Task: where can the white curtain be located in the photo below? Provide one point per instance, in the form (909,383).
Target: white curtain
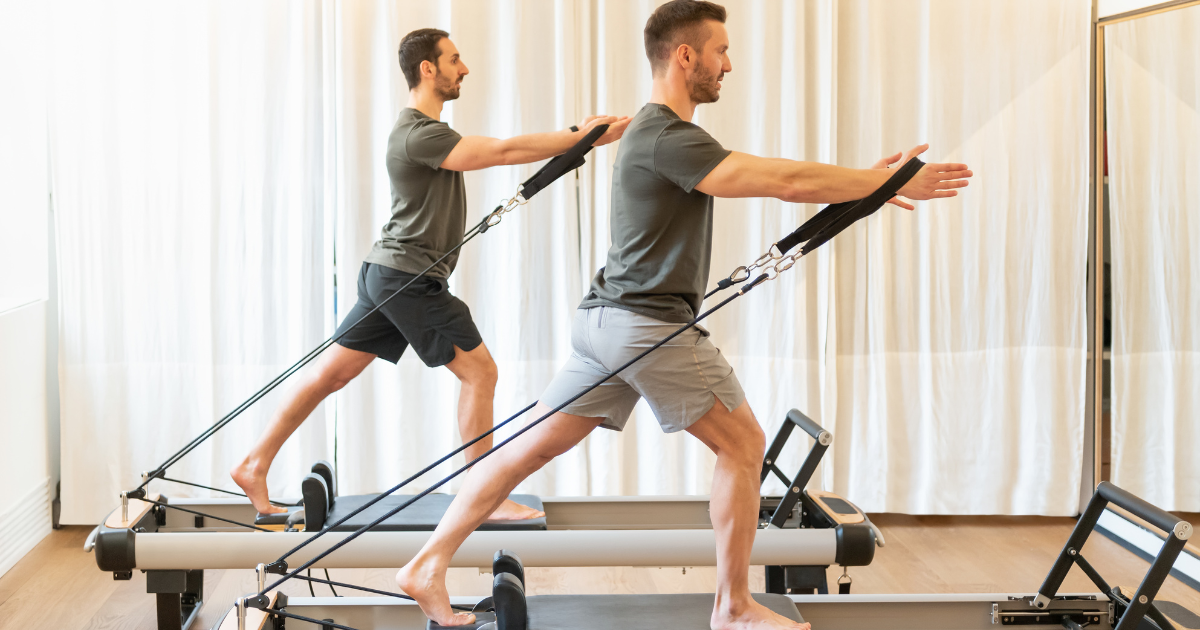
(944,348)
(1153,99)
(187,159)
(960,328)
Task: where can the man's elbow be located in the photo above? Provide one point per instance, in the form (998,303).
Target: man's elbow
(799,192)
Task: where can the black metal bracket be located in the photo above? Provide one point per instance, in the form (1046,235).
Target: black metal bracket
(261,602)
(179,596)
(795,485)
(279,567)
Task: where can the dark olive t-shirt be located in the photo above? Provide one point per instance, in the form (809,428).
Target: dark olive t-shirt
(429,203)
(661,227)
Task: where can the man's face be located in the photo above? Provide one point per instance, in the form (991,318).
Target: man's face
(450,71)
(711,64)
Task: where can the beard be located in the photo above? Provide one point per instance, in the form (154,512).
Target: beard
(447,89)
(705,86)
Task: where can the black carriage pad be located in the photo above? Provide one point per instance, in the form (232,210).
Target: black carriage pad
(421,516)
(628,612)
(636,612)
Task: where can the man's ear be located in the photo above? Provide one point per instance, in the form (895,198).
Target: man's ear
(684,54)
(427,69)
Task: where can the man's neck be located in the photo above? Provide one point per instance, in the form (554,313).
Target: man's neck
(675,95)
(426,102)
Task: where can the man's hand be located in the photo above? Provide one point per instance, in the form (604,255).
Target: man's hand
(933,181)
(616,127)
(887,162)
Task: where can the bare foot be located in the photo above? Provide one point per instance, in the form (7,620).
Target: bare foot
(254,483)
(512,511)
(428,587)
(751,615)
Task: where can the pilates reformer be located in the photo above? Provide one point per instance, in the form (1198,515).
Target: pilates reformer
(508,608)
(813,233)
(183,582)
(801,533)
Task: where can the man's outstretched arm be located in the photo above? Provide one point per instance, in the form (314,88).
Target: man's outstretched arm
(744,175)
(478,152)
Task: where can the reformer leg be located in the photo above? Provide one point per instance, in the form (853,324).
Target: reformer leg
(179,596)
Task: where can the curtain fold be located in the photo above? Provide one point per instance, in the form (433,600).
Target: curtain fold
(218,168)
(187,174)
(1153,105)
(960,343)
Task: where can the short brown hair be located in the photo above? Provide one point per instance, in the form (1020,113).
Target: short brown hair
(419,45)
(678,22)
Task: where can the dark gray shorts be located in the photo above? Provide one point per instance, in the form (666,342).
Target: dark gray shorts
(678,380)
(425,316)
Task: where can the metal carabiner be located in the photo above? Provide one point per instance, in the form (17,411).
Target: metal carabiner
(741,274)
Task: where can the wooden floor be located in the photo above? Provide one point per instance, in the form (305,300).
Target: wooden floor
(58,585)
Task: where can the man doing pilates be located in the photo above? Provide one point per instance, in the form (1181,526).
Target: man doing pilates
(425,161)
(666,174)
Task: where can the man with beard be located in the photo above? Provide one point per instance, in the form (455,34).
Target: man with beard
(666,173)
(425,161)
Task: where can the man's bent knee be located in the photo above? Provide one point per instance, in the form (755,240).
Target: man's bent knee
(474,367)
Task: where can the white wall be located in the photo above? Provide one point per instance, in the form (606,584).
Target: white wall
(28,429)
(26,494)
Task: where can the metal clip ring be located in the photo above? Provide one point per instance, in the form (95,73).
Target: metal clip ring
(784,265)
(741,274)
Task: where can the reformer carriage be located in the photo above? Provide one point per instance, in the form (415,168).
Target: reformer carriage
(801,533)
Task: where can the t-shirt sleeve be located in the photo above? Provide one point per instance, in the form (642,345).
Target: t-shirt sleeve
(428,144)
(685,154)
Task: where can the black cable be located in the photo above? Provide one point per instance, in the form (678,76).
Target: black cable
(360,531)
(310,584)
(218,518)
(320,623)
(400,485)
(330,583)
(329,579)
(472,233)
(236,494)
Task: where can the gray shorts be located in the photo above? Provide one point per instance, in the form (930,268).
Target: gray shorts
(678,380)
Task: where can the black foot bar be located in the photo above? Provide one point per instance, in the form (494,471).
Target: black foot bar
(795,485)
(1130,612)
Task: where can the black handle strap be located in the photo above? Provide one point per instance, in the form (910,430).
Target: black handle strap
(866,207)
(834,218)
(562,164)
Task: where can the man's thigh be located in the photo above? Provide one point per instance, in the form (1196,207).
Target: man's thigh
(680,379)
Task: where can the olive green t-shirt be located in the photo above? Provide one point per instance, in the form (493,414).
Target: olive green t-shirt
(429,203)
(661,227)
